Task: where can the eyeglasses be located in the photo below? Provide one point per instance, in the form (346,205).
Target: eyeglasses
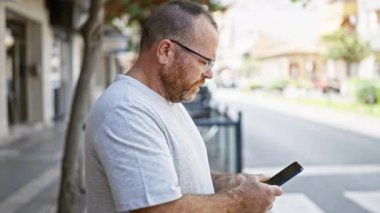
(210,62)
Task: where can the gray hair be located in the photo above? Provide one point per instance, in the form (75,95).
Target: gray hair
(173,20)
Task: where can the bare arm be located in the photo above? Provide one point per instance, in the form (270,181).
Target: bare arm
(226,202)
(251,194)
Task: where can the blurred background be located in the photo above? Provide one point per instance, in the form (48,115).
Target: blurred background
(294,80)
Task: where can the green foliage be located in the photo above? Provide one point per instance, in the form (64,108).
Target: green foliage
(139,10)
(345,45)
(368,95)
(278,85)
(300,83)
(255,85)
(365,91)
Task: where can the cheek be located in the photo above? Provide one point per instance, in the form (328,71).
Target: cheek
(186,73)
(182,72)
(177,77)
(192,67)
(195,70)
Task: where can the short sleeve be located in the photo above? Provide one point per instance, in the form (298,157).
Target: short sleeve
(136,157)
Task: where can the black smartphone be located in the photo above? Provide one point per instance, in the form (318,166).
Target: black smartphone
(286,174)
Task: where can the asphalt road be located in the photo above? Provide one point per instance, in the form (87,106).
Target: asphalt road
(342,168)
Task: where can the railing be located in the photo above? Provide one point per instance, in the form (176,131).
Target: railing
(223,137)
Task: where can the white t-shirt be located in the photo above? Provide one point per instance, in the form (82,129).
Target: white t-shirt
(141,150)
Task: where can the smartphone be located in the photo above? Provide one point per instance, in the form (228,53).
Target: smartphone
(286,174)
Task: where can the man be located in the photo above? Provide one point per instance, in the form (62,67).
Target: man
(143,151)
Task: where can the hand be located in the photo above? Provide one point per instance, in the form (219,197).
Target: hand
(258,196)
(224,182)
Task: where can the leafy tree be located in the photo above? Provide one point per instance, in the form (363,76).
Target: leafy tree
(345,45)
(139,10)
(71,192)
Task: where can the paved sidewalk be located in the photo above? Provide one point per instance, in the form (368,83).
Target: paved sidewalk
(20,133)
(30,170)
(361,124)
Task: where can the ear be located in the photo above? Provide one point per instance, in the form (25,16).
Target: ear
(164,51)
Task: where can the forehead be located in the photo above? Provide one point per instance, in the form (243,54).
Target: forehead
(205,36)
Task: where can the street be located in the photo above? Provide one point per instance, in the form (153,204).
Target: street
(342,168)
(30,172)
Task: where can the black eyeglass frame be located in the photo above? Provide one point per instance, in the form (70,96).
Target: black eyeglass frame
(210,62)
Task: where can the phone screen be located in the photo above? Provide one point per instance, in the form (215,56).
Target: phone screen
(286,174)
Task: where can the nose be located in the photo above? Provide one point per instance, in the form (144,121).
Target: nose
(208,74)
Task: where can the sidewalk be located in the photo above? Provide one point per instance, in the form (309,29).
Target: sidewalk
(19,133)
(361,124)
(30,170)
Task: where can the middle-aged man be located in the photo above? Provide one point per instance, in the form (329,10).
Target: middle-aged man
(143,151)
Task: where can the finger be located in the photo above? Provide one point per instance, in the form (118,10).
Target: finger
(262,177)
(277,190)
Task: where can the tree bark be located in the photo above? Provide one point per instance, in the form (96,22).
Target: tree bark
(343,79)
(70,187)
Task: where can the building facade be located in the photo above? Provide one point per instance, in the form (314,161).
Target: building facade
(285,61)
(362,16)
(369,29)
(39,62)
(24,60)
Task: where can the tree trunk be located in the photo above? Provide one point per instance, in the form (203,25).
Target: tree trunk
(70,186)
(343,79)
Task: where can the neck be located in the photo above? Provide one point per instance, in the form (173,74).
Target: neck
(148,74)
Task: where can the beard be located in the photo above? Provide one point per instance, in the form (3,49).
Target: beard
(189,94)
(176,85)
